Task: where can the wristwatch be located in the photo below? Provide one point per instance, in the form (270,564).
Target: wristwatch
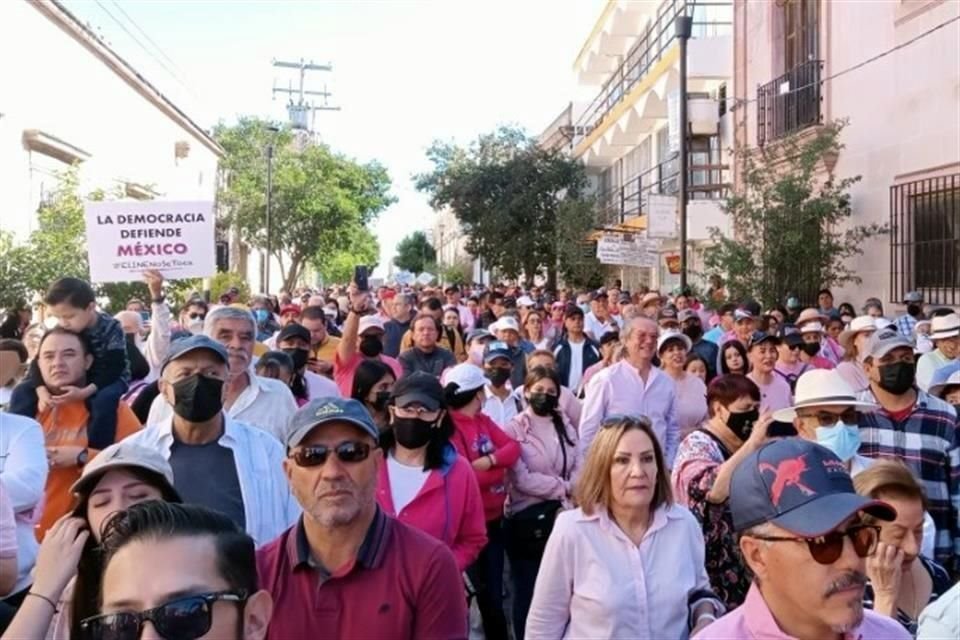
(82,457)
(159,300)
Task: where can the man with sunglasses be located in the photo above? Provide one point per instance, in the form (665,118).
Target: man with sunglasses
(346,568)
(801,535)
(201,581)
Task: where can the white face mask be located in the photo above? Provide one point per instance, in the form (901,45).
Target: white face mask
(195,326)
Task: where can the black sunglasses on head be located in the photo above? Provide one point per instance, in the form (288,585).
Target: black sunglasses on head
(186,618)
(316,455)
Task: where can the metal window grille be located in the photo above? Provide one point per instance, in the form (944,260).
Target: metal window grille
(925,239)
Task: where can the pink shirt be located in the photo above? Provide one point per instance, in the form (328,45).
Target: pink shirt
(343,372)
(753,620)
(594,582)
(619,390)
(538,475)
(773,396)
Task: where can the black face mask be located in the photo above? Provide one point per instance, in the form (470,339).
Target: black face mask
(380,400)
(197,398)
(543,404)
(497,376)
(897,378)
(811,348)
(956,408)
(741,424)
(693,332)
(299,356)
(371,346)
(914,309)
(411,433)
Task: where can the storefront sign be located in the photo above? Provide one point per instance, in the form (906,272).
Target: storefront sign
(661,216)
(632,250)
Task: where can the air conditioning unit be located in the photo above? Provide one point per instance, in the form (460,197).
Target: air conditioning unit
(703,113)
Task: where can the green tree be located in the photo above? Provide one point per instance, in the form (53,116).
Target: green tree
(415,253)
(363,250)
(320,198)
(506,192)
(790,221)
(576,254)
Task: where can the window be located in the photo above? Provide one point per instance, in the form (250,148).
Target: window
(925,239)
(800,32)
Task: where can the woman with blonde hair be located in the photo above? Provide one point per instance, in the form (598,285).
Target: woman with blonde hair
(534,331)
(604,568)
(901,580)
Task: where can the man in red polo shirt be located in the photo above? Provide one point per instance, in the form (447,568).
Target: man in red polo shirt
(346,569)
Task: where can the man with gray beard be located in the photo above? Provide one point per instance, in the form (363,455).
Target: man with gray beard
(802,537)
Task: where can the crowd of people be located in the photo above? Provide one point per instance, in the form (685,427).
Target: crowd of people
(566,464)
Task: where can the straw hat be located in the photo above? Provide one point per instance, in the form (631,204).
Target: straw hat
(822,388)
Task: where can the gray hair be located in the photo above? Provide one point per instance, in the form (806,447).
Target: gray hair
(631,324)
(227,313)
(131,314)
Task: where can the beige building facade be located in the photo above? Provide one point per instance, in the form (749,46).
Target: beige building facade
(892,68)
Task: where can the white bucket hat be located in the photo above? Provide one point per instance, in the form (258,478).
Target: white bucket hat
(859,324)
(943,327)
(822,388)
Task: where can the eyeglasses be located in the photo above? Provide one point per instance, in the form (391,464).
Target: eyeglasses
(181,619)
(632,422)
(827,419)
(417,412)
(316,455)
(828,549)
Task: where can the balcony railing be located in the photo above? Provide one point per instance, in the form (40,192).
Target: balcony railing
(618,205)
(789,103)
(709,19)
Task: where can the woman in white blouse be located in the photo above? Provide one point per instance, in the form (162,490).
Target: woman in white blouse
(672,348)
(629,563)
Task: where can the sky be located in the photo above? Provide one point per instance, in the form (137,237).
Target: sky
(404,73)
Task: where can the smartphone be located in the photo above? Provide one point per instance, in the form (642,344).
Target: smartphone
(360,277)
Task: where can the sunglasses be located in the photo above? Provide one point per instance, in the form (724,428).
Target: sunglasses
(794,347)
(185,618)
(828,549)
(316,455)
(196,316)
(827,419)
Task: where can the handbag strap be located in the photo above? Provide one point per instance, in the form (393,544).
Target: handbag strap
(563,450)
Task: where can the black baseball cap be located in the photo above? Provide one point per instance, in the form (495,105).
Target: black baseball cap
(293,331)
(418,387)
(799,486)
(759,337)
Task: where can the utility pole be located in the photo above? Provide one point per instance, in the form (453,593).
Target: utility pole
(684,26)
(298,109)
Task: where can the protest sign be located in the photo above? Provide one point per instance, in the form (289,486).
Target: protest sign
(124,239)
(661,216)
(627,250)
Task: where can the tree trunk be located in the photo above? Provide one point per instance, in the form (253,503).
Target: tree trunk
(293,274)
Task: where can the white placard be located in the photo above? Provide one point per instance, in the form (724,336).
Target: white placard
(425,278)
(404,278)
(629,250)
(661,216)
(673,121)
(124,239)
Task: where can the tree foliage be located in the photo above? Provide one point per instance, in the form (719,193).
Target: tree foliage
(791,222)
(320,200)
(363,250)
(415,253)
(506,193)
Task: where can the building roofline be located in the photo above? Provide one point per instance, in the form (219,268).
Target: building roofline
(597,28)
(54,11)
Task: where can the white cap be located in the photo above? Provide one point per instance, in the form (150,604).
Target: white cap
(466,376)
(506,323)
(370,322)
(860,324)
(822,388)
(812,327)
(673,335)
(525,301)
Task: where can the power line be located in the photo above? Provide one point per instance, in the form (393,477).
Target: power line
(141,45)
(743,102)
(158,48)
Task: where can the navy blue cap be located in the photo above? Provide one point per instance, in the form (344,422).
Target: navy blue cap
(184,346)
(759,337)
(320,411)
(799,486)
(496,349)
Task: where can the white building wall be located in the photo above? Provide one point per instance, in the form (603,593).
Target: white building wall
(50,82)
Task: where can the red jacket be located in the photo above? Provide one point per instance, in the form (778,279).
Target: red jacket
(448,507)
(479,436)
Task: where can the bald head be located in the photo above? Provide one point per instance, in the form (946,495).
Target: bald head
(130,321)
